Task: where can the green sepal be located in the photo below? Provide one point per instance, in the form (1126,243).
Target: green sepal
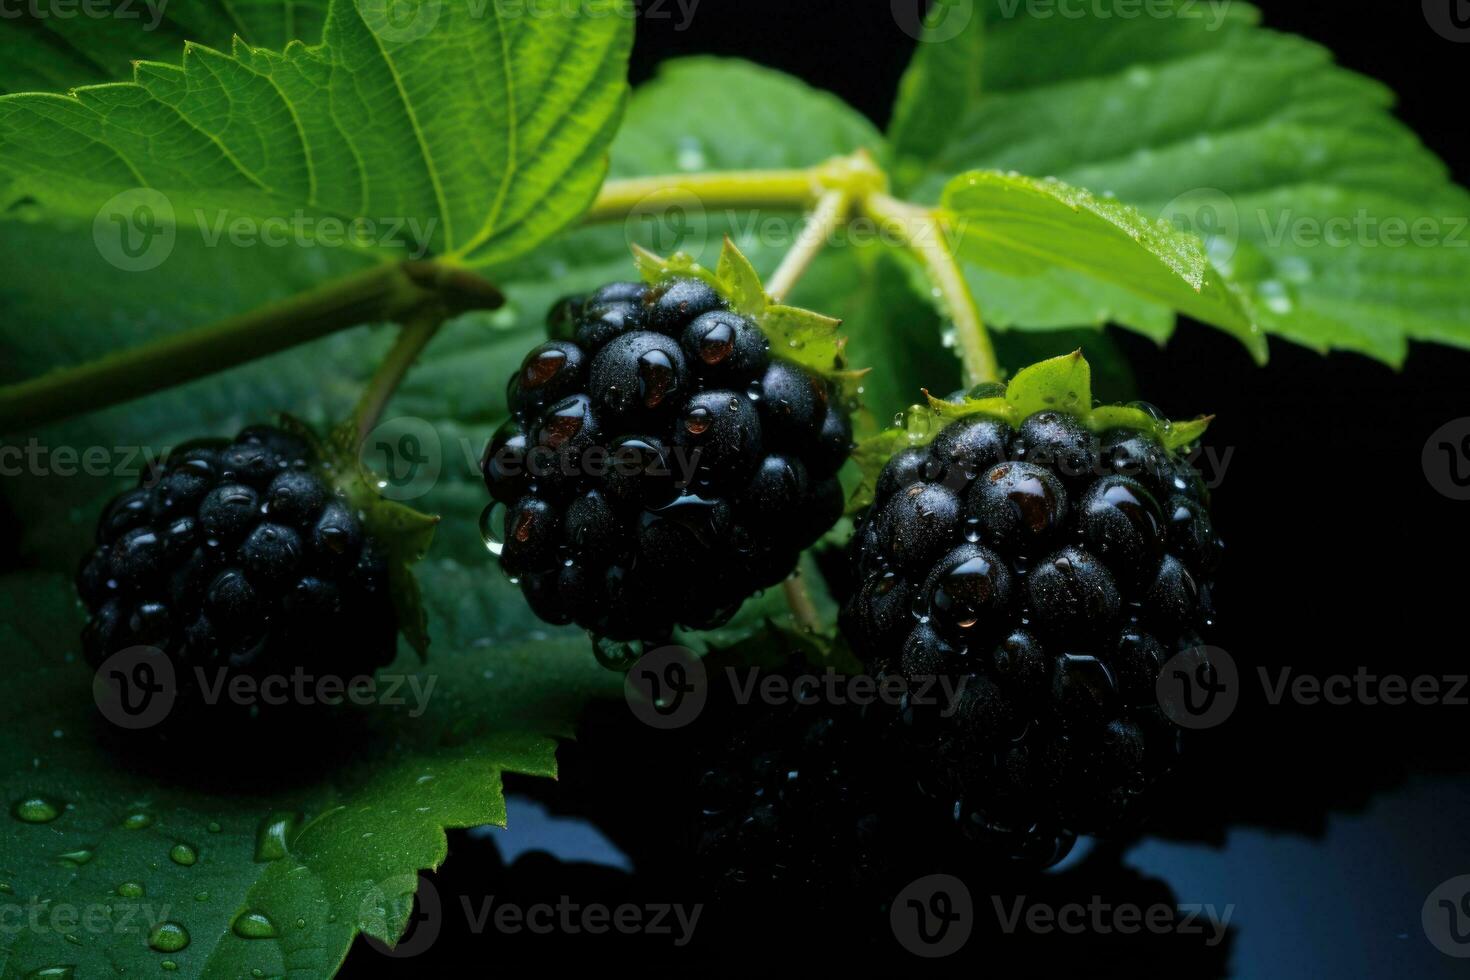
(1062,384)
(802,337)
(404,532)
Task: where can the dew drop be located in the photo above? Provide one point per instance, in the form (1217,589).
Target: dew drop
(130,889)
(491,520)
(250,924)
(138,821)
(53,973)
(989,389)
(35,809)
(82,855)
(273,836)
(697,421)
(183,854)
(168,937)
(618,655)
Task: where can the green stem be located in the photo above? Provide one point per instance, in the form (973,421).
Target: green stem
(383,293)
(923,234)
(412,340)
(803,609)
(788,190)
(830,214)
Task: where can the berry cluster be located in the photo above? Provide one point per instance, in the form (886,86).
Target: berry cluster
(660,465)
(1054,572)
(238,556)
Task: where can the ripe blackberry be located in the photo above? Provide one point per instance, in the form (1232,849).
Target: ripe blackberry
(1053,572)
(238,556)
(660,464)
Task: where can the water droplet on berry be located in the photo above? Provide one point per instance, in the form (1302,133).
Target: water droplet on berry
(697,421)
(618,655)
(717,345)
(492,519)
(542,367)
(655,378)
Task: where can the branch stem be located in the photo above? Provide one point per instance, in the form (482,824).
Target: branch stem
(923,233)
(383,293)
(788,190)
(412,339)
(803,610)
(831,213)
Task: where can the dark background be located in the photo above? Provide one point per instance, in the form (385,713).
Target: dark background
(1325,826)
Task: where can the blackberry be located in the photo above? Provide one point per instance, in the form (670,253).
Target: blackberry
(660,464)
(1051,573)
(238,556)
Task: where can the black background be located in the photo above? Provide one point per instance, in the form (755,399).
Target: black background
(1340,552)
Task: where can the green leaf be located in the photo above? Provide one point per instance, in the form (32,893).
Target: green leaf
(216,831)
(1253,139)
(1058,384)
(472,132)
(55,52)
(1021,225)
(942,81)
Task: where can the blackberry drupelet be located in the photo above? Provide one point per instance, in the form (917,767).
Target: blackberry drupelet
(1053,572)
(660,464)
(238,556)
